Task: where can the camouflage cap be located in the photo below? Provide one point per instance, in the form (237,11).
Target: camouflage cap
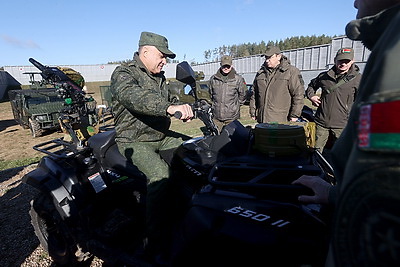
(159,41)
(271,50)
(226,60)
(345,53)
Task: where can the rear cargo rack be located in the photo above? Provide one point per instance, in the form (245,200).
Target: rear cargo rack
(250,174)
(270,178)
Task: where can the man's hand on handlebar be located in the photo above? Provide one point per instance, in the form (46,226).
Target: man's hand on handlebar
(183,112)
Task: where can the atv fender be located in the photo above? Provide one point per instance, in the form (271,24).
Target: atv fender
(50,178)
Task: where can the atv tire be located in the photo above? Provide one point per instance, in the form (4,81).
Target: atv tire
(54,235)
(35,128)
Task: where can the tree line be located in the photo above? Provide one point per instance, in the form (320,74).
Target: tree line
(249,49)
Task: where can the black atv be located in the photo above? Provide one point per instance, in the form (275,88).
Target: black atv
(235,204)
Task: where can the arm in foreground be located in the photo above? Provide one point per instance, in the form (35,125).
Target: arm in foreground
(319,186)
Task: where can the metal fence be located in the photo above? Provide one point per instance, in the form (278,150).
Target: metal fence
(91,73)
(310,61)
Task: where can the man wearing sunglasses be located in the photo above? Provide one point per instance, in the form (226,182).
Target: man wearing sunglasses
(228,93)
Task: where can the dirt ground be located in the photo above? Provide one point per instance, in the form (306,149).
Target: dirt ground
(16,142)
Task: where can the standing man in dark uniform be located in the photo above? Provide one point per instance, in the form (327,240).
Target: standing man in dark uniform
(142,120)
(228,93)
(278,90)
(338,91)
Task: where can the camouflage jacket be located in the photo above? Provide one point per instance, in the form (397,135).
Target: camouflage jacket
(278,93)
(139,101)
(368,176)
(379,83)
(227,93)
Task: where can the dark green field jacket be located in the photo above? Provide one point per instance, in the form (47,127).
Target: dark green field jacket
(228,93)
(278,93)
(380,83)
(336,103)
(366,214)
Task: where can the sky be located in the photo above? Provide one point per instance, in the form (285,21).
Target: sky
(86,32)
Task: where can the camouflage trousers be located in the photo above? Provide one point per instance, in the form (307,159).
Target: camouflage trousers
(145,155)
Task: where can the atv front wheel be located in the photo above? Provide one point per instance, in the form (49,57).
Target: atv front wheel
(54,235)
(34,125)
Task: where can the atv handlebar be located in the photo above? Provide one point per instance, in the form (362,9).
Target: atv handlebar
(177,114)
(202,110)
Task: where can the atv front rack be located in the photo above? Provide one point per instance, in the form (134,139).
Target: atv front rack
(58,148)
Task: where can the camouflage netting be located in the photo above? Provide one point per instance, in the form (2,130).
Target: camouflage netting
(73,75)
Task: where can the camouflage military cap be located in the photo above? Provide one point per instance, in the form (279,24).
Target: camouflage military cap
(345,53)
(159,41)
(271,50)
(226,60)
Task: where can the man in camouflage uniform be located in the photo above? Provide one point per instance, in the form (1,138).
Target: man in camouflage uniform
(228,93)
(366,156)
(141,114)
(278,90)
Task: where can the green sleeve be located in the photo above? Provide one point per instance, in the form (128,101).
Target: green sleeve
(139,97)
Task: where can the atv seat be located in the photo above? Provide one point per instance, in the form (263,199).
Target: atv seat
(101,142)
(106,151)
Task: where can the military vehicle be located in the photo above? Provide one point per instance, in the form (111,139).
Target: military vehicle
(35,84)
(182,93)
(78,118)
(36,109)
(63,100)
